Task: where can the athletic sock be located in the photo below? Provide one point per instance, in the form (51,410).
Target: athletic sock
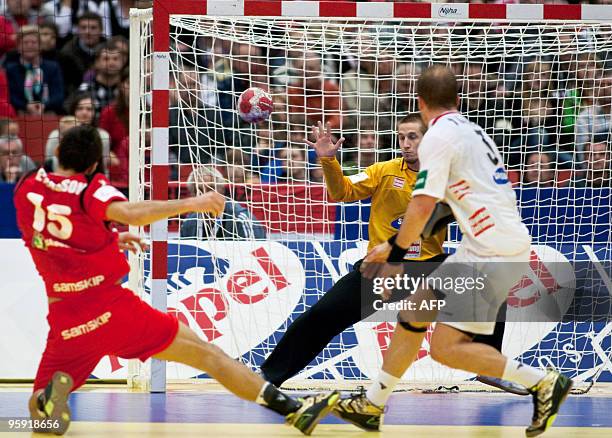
(48,390)
(380,390)
(40,401)
(44,396)
(272,398)
(524,374)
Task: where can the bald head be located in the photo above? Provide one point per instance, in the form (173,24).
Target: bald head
(437,87)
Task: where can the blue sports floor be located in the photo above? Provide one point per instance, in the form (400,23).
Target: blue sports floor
(211,413)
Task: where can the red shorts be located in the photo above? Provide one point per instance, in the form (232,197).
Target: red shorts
(114,321)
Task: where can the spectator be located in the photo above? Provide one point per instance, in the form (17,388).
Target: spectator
(9,128)
(273,170)
(407,75)
(312,96)
(280,116)
(119,170)
(588,68)
(369,89)
(36,85)
(367,149)
(48,41)
(123,45)
(534,125)
(244,68)
(289,165)
(7,36)
(562,64)
(64,14)
(82,107)
(536,80)
(232,75)
(538,170)
(235,223)
(267,145)
(296,165)
(385,70)
(597,169)
(79,52)
(13,162)
(107,68)
(82,110)
(238,163)
(20,13)
(65,124)
(359,89)
(525,119)
(594,117)
(116,16)
(6,109)
(193,133)
(477,102)
(115,117)
(316,175)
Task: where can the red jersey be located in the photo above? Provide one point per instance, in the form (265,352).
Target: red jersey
(63,223)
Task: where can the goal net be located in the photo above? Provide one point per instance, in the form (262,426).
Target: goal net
(541,89)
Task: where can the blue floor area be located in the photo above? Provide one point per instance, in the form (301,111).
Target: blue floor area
(463,409)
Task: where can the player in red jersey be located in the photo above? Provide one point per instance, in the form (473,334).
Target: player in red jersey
(64,220)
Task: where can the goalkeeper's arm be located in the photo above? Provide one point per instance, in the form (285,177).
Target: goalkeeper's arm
(347,189)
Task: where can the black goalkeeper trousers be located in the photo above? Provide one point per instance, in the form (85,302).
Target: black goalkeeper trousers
(337,310)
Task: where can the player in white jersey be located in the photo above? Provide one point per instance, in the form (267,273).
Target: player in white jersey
(461,166)
(465,170)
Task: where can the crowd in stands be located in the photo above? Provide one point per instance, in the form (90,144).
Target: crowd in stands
(549,115)
(65,60)
(69,58)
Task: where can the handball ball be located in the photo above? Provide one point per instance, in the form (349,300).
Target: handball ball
(255,105)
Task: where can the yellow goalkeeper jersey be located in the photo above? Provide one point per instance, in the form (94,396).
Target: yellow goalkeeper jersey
(389,184)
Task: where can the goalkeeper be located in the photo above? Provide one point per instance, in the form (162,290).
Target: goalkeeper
(389,184)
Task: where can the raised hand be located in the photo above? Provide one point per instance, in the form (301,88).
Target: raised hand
(324,145)
(210,202)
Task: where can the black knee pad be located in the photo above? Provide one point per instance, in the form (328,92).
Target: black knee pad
(407,326)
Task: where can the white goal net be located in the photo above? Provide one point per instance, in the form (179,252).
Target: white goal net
(542,90)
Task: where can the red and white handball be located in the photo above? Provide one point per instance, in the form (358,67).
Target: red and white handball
(255,105)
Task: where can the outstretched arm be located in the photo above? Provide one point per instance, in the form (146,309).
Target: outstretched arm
(339,187)
(146,212)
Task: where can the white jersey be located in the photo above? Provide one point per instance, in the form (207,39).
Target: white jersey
(460,165)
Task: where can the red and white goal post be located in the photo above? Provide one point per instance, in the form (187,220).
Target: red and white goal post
(532,75)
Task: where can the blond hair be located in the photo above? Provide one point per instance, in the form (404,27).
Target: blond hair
(196,179)
(28,29)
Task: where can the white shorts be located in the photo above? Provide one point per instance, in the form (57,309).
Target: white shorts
(502,274)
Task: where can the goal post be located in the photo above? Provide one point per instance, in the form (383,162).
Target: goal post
(535,77)
(141,38)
